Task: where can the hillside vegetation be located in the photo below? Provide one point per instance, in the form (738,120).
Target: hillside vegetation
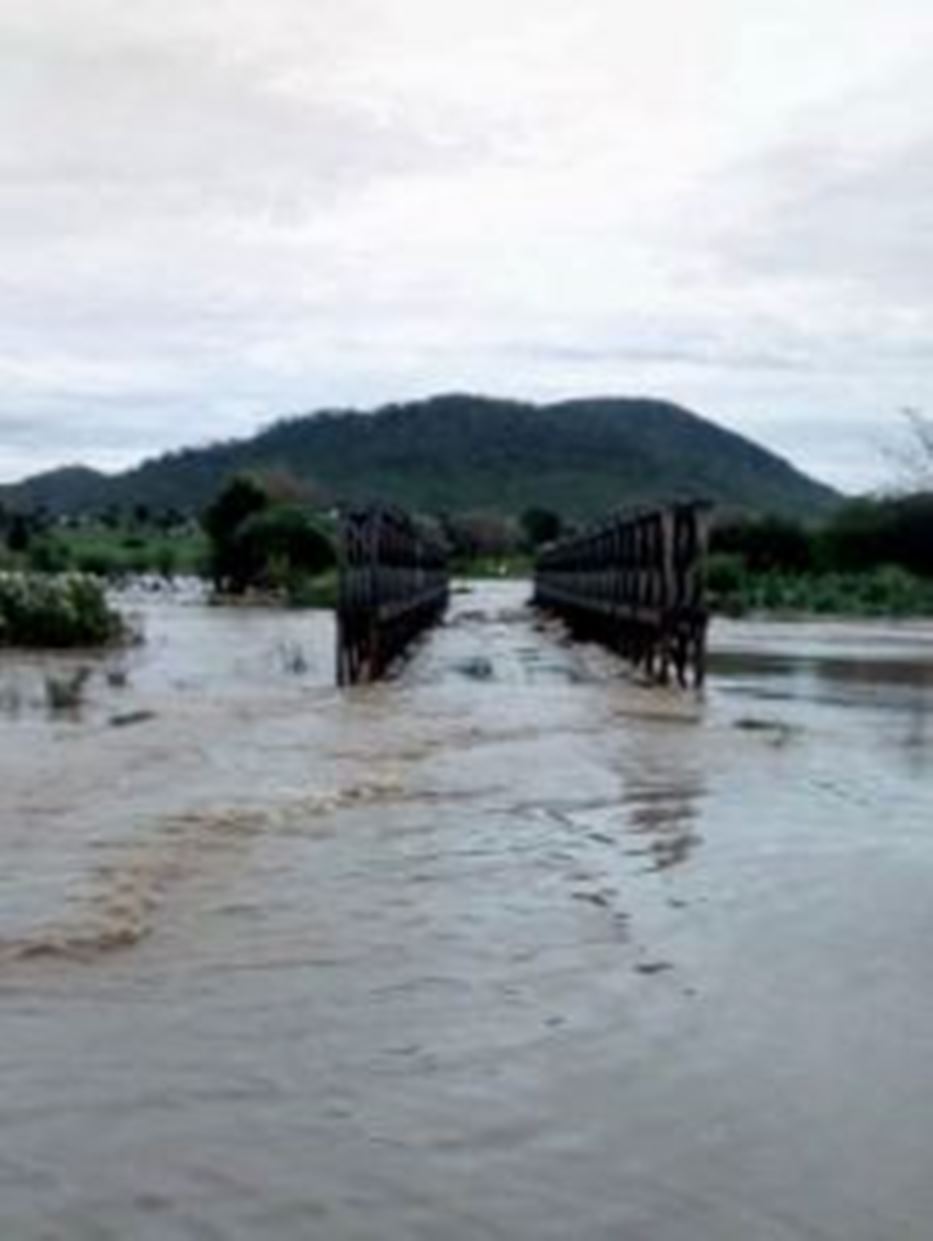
(464,453)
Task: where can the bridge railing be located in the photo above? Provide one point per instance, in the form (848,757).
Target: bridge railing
(635,583)
(393,583)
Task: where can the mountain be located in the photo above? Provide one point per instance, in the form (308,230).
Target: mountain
(70,489)
(456,453)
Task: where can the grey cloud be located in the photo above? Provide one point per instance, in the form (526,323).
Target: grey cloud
(108,136)
(214,212)
(842,200)
(16,429)
(869,224)
(711,353)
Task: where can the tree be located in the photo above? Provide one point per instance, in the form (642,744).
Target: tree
(255,541)
(239,500)
(540,525)
(283,486)
(481,534)
(913,458)
(897,530)
(766,543)
(278,543)
(18,535)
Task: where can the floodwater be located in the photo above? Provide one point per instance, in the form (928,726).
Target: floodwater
(510,947)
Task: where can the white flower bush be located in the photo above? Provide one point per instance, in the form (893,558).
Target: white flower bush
(68,609)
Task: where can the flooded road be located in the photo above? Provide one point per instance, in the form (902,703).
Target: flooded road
(508,948)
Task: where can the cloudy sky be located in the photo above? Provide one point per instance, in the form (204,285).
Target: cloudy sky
(213,212)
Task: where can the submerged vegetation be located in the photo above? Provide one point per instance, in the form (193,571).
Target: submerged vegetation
(65,691)
(66,610)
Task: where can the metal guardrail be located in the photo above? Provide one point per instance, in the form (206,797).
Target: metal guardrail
(635,583)
(393,583)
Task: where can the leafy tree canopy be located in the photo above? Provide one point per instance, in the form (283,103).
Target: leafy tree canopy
(541,525)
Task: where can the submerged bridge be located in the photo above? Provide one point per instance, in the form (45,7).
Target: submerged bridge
(633,582)
(393,584)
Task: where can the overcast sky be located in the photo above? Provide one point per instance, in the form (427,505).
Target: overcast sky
(214,212)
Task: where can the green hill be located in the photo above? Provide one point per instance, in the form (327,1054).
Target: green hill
(457,453)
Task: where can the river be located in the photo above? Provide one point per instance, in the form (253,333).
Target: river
(509,947)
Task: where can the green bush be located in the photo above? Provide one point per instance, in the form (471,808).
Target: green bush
(48,555)
(725,574)
(540,525)
(38,610)
(166,560)
(279,543)
(257,541)
(99,561)
(766,543)
(888,591)
(873,533)
(303,591)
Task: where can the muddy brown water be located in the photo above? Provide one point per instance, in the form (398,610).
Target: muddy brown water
(508,948)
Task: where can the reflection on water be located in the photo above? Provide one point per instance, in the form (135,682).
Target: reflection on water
(508,947)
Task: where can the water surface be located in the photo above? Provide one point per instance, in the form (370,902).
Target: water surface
(511,947)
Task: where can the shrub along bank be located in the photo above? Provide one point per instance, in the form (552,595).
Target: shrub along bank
(67,610)
(872,558)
